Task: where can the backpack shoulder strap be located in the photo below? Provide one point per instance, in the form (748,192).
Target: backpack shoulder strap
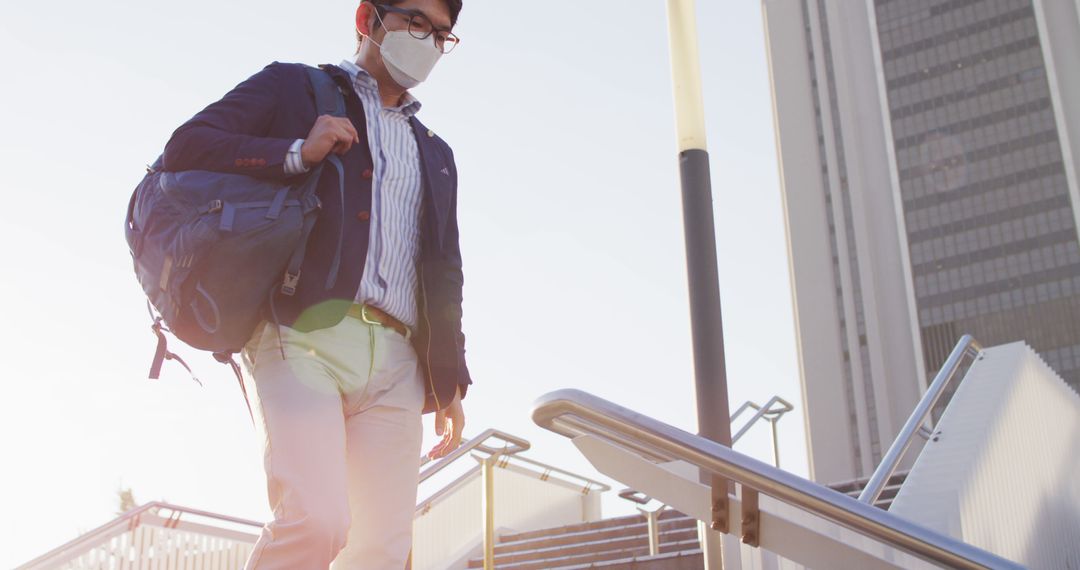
(328,97)
(329,100)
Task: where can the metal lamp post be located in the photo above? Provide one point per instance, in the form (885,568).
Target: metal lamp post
(705,316)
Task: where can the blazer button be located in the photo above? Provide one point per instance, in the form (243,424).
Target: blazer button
(363,215)
(366,174)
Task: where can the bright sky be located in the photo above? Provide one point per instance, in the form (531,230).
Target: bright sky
(561,119)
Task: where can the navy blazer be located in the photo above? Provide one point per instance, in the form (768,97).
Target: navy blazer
(249,131)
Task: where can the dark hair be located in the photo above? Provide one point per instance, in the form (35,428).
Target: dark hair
(453,5)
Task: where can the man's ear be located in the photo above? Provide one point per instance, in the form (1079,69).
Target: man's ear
(363,15)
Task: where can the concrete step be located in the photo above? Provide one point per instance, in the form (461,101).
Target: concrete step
(636,543)
(588,535)
(888,492)
(605,523)
(680,560)
(624,556)
(620,541)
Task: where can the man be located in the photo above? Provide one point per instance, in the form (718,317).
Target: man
(343,369)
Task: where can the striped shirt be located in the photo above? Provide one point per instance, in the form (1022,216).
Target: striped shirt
(389,280)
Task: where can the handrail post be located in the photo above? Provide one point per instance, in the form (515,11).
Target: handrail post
(488,478)
(775,441)
(900,445)
(652,520)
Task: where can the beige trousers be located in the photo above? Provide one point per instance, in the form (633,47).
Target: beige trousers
(340,430)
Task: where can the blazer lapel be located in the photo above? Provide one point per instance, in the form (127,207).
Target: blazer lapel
(435,171)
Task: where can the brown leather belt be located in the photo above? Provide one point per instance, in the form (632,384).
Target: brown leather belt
(377,316)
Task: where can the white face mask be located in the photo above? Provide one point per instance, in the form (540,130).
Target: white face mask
(409,60)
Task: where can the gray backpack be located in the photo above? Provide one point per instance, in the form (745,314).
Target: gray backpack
(210,248)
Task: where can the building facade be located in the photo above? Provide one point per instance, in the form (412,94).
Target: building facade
(930,190)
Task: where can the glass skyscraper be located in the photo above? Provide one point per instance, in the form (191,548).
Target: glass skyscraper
(930,190)
(990,224)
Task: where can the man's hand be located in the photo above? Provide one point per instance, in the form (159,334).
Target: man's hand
(328,134)
(449,422)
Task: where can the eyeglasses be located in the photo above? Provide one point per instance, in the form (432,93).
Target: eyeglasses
(420,27)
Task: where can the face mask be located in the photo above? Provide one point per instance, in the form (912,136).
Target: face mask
(409,60)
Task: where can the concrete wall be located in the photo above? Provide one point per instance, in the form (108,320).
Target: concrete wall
(855,398)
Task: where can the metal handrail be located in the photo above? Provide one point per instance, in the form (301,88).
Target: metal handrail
(127,520)
(967,346)
(590,484)
(770,414)
(516,445)
(573,413)
(423,507)
(635,496)
(767,412)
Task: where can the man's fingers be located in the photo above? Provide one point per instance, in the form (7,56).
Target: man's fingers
(341,147)
(337,133)
(449,424)
(343,141)
(448,435)
(439,450)
(345,126)
(450,439)
(349,128)
(455,441)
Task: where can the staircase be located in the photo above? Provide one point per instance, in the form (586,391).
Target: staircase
(888,493)
(619,543)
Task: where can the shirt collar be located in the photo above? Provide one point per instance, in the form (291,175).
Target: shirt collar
(363,80)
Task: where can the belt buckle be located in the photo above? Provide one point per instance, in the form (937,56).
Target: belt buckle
(364,316)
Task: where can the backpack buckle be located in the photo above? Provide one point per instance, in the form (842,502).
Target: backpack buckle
(291,280)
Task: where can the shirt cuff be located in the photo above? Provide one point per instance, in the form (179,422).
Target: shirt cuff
(294,163)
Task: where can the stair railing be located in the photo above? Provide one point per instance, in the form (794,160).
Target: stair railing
(131,519)
(771,412)
(128,522)
(967,346)
(513,445)
(574,413)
